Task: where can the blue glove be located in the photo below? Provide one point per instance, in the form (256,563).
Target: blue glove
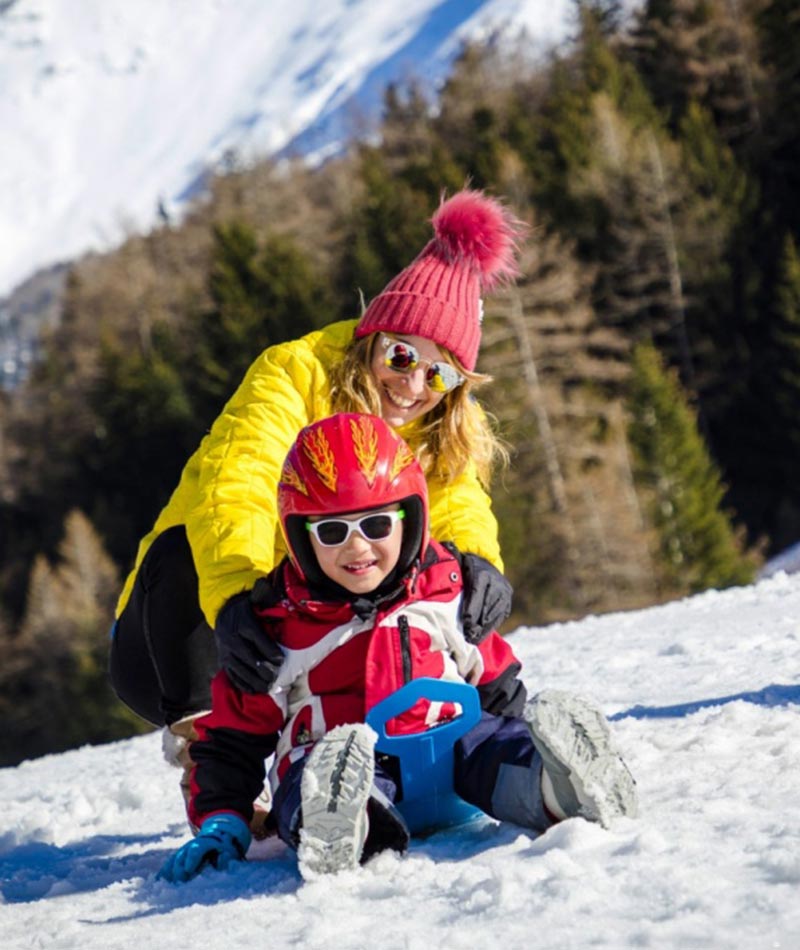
(222,838)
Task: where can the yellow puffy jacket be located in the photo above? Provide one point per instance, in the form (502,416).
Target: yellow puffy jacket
(226,494)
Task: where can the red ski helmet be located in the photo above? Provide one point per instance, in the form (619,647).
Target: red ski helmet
(346,463)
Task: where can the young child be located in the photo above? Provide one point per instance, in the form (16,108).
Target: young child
(365,602)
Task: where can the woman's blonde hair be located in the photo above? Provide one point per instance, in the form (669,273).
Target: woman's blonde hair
(456,432)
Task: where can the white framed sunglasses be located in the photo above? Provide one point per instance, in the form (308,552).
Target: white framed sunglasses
(402,357)
(334,532)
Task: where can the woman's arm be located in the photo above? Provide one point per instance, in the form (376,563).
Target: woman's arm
(462,518)
(461,512)
(233,526)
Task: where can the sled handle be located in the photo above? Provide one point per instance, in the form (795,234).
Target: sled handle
(439,738)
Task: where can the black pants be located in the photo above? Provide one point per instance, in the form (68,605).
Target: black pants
(163,654)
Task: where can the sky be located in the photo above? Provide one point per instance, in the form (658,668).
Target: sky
(704,699)
(112,107)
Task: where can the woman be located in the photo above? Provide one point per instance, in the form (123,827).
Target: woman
(410,359)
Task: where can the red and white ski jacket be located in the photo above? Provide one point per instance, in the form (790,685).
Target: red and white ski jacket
(341,660)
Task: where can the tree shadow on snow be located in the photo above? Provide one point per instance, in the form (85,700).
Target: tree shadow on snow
(769,696)
(271,868)
(36,871)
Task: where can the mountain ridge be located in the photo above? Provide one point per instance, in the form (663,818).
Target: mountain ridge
(109,118)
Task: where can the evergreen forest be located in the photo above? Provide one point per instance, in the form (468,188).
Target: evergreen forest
(646,365)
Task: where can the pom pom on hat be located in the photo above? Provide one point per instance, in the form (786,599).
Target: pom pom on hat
(478,232)
(438,296)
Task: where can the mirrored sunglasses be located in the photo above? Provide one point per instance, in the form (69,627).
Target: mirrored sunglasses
(402,357)
(334,532)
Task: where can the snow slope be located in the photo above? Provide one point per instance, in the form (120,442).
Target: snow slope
(704,695)
(110,107)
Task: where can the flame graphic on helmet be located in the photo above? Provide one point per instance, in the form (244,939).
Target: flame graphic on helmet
(402,459)
(365,447)
(318,451)
(290,477)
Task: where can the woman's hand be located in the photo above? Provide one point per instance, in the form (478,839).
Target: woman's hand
(487,595)
(246,652)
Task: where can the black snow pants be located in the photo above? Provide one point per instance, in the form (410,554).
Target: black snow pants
(162,655)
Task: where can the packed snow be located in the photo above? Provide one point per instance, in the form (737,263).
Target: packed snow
(703,695)
(114,109)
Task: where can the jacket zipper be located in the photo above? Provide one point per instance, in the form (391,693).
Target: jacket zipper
(405,646)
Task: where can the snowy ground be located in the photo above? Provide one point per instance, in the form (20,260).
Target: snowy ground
(705,700)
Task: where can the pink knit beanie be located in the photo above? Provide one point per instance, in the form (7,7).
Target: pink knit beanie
(438,296)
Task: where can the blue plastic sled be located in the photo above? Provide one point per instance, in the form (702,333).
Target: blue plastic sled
(426,758)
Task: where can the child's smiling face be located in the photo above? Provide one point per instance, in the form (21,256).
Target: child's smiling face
(359,565)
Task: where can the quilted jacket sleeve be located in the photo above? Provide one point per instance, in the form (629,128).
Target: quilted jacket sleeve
(232,524)
(461,512)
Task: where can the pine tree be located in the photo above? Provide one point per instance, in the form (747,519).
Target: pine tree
(778,390)
(54,689)
(714,197)
(786,340)
(779,32)
(640,284)
(666,247)
(146,428)
(387,226)
(411,151)
(473,114)
(571,530)
(606,15)
(564,146)
(702,51)
(261,294)
(697,547)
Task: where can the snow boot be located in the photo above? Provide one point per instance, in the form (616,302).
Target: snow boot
(388,830)
(582,774)
(335,790)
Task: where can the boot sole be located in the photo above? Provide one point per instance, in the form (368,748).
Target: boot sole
(335,788)
(574,740)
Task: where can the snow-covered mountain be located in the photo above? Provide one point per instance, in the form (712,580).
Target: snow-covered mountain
(110,108)
(704,695)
